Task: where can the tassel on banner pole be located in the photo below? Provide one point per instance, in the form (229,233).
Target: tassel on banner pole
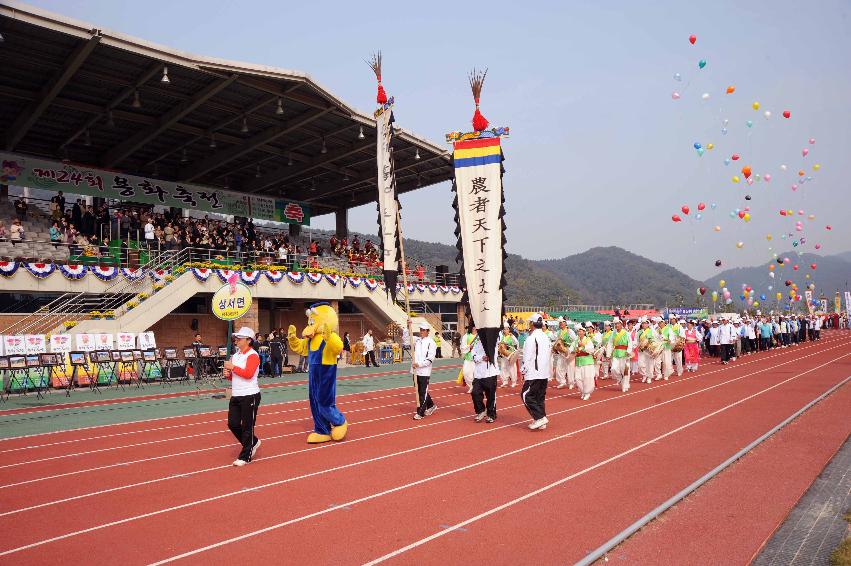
(477,80)
(375,65)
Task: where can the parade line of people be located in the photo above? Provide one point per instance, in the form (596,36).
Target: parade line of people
(575,355)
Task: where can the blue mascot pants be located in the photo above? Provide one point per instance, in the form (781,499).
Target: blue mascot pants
(322,391)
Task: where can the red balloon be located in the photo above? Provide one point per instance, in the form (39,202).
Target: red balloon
(685,209)
(692,39)
(735,157)
(788,282)
(812,266)
(828,227)
(787,114)
(701,206)
(741,214)
(746,171)
(702,290)
(676,218)
(782,213)
(795,267)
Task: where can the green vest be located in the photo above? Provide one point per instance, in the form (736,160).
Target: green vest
(669,337)
(582,357)
(621,339)
(468,340)
(510,341)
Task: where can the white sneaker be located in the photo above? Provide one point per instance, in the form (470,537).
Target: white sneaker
(254,448)
(571,386)
(538,424)
(430,411)
(480,417)
(417,416)
(240,463)
(561,386)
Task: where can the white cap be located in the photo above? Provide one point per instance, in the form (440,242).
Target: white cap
(588,324)
(577,326)
(657,319)
(607,323)
(244,332)
(670,316)
(424,326)
(536,317)
(616,320)
(561,319)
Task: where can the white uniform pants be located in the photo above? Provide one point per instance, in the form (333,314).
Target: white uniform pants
(667,368)
(467,370)
(561,368)
(508,370)
(585,378)
(605,364)
(656,364)
(645,365)
(677,358)
(619,374)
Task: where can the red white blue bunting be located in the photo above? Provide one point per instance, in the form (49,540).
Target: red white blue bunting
(275,276)
(225,274)
(455,289)
(158,274)
(314,277)
(295,277)
(371,284)
(249,277)
(132,273)
(332,279)
(73,272)
(420,287)
(104,273)
(40,270)
(8,268)
(355,281)
(201,273)
(433,289)
(443,289)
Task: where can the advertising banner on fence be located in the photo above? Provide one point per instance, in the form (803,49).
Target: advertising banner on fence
(696,313)
(82,180)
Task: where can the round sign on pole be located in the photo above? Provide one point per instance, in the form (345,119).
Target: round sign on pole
(232,301)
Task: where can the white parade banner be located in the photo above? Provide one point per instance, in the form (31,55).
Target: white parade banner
(388,206)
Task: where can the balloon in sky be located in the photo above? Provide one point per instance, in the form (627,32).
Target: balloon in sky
(717,229)
(735,157)
(722,282)
(731,89)
(812,141)
(818,246)
(705,96)
(816,167)
(755,105)
(701,206)
(767,177)
(685,209)
(675,95)
(748,197)
(698,216)
(782,167)
(805,152)
(713,206)
(702,290)
(727,161)
(736,179)
(701,64)
(692,39)
(746,171)
(678,77)
(767,114)
(700,152)
(742,213)
(747,217)
(676,218)
(723,131)
(828,227)
(749,123)
(779,296)
(710,146)
(697,145)
(740,245)
(762,296)
(794,187)
(812,266)
(714,296)
(787,114)
(800,173)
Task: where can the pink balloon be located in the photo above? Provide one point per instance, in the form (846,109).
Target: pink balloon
(818,246)
(805,152)
(794,187)
(800,213)
(767,177)
(828,227)
(786,260)
(812,141)
(675,95)
(750,180)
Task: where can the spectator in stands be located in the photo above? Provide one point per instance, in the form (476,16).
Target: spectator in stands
(58,203)
(87,223)
(16,231)
(4,234)
(77,212)
(21,208)
(149,233)
(55,234)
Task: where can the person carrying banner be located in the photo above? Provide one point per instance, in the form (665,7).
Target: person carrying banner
(425,351)
(484,382)
(535,367)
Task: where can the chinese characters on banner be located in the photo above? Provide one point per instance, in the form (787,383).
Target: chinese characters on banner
(479,212)
(56,176)
(808,296)
(388,205)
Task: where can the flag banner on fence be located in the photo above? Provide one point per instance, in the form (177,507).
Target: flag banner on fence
(480,227)
(388,201)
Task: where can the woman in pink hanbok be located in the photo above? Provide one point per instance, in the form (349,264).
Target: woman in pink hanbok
(692,348)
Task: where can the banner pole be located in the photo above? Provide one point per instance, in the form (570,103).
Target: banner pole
(407,299)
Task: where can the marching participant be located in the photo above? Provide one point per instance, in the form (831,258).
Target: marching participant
(242,369)
(633,330)
(668,339)
(692,349)
(507,350)
(621,346)
(561,345)
(725,338)
(425,351)
(679,333)
(605,342)
(468,367)
(584,349)
(484,382)
(535,367)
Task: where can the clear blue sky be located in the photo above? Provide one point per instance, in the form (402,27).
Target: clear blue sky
(599,154)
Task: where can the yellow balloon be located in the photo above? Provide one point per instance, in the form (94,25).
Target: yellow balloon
(756,303)
(808,275)
(790,212)
(747,217)
(768,237)
(755,105)
(711,145)
(736,179)
(779,296)
(722,283)
(740,245)
(816,167)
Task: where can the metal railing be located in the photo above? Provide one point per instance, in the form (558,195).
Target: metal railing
(74,306)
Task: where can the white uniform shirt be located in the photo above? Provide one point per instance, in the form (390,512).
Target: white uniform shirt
(368,343)
(726,333)
(484,368)
(424,352)
(239,385)
(714,335)
(537,354)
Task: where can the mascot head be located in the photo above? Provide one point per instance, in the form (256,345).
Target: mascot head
(317,315)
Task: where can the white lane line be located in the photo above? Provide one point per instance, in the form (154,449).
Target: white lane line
(388,456)
(112,425)
(566,479)
(268,458)
(198,423)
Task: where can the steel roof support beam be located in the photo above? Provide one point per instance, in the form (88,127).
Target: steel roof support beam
(164,122)
(50,91)
(283,173)
(266,136)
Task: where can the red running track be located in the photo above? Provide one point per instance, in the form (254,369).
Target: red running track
(405,491)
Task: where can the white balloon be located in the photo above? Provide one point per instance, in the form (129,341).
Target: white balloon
(705,96)
(767,114)
(782,167)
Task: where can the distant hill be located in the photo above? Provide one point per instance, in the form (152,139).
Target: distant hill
(612,275)
(832,273)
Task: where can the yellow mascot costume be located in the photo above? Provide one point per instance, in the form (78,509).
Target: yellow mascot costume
(322,346)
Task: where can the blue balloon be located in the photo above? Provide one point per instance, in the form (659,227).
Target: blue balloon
(729,301)
(723,131)
(732,214)
(712,206)
(762,297)
(727,161)
(678,77)
(698,216)
(697,145)
(748,123)
(742,297)
(700,151)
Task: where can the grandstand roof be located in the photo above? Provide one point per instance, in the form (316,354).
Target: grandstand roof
(97,97)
